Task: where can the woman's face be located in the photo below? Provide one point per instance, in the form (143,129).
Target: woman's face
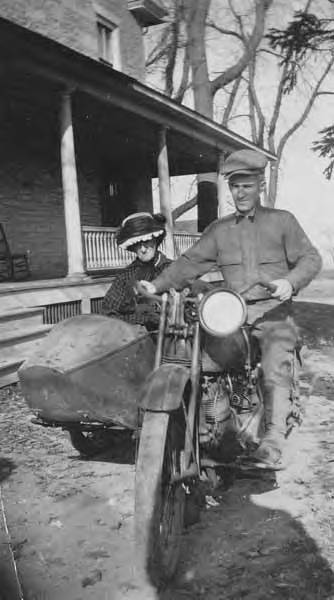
(145,250)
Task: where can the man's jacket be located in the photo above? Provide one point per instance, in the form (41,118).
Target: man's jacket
(269,245)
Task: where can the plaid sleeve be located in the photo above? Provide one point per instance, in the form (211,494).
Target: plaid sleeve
(120,300)
(119,297)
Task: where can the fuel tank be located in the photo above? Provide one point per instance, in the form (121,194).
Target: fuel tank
(229,352)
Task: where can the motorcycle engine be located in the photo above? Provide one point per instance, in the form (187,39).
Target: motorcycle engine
(215,410)
(227,403)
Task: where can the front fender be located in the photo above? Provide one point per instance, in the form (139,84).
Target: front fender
(163,389)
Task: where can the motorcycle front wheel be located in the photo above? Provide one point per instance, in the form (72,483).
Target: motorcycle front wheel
(159,497)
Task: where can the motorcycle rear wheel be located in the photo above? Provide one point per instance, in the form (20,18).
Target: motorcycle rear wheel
(160,502)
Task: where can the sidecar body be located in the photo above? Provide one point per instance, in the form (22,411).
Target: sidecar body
(89,369)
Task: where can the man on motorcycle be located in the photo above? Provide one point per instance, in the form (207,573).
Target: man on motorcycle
(142,234)
(256,244)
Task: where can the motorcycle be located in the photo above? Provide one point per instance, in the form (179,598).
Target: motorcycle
(183,393)
(205,389)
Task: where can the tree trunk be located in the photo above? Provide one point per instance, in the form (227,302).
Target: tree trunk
(273,184)
(196,16)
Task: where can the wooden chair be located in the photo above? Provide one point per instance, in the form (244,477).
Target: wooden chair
(12,266)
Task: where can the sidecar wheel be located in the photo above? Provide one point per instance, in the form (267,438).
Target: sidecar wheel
(90,443)
(159,502)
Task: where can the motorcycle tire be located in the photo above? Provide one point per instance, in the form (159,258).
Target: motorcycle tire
(160,502)
(90,443)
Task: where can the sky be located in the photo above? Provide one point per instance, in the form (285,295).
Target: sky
(303,188)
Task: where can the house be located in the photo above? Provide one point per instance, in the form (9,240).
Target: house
(81,138)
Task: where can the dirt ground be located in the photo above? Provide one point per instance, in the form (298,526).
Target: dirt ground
(69,522)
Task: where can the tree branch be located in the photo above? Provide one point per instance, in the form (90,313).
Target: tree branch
(159,50)
(230,103)
(277,107)
(183,208)
(306,111)
(254,100)
(216,27)
(249,51)
(184,83)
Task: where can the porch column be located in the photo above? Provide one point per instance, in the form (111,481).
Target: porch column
(164,191)
(220,185)
(70,191)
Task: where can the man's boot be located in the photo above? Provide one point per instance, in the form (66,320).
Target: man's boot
(276,409)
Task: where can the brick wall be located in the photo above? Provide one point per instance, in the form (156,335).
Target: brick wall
(73,23)
(31,198)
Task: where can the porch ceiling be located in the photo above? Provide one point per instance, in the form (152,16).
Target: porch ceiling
(118,117)
(128,141)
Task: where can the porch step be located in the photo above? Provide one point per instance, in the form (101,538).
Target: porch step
(8,371)
(22,336)
(15,347)
(12,320)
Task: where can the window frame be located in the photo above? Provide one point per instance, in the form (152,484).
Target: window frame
(108,41)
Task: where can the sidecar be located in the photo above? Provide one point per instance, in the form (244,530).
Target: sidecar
(86,376)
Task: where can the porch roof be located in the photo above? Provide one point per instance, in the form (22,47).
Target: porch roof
(125,114)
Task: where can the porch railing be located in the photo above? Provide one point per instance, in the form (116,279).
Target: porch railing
(102,252)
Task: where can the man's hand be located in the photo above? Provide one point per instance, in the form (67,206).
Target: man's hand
(146,286)
(284,289)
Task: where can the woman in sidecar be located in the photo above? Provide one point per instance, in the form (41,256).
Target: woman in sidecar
(142,234)
(85,376)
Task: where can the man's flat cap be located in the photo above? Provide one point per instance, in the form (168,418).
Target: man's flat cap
(244,162)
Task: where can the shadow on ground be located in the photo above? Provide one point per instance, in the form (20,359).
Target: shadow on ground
(121,450)
(243,549)
(6,468)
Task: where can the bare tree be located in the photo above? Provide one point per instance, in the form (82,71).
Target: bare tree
(289,51)
(190,36)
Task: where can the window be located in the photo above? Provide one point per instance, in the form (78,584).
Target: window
(106,42)
(108,37)
(113,209)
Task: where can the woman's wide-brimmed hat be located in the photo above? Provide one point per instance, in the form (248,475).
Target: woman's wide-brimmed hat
(141,227)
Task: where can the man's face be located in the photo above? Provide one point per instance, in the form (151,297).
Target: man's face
(245,190)
(145,250)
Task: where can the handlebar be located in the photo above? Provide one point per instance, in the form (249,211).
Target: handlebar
(264,283)
(140,290)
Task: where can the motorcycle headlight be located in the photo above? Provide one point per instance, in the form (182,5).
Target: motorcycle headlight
(222,312)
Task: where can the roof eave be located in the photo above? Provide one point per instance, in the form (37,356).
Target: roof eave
(77,71)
